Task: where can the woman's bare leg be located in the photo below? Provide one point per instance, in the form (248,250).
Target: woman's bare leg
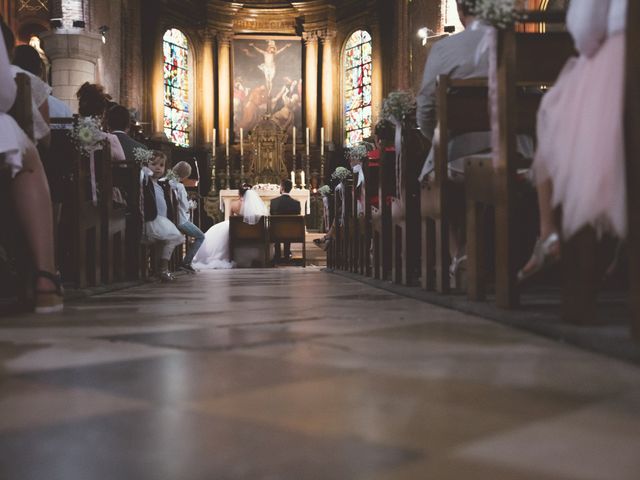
(33,206)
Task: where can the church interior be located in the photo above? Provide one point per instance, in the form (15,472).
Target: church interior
(320,239)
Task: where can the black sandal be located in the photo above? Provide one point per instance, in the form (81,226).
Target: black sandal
(49,301)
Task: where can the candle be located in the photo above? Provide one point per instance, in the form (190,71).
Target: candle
(307,141)
(322,141)
(293,177)
(227,142)
(294,144)
(241,141)
(302,178)
(213,143)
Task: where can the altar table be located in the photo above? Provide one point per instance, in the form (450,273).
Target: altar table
(300,194)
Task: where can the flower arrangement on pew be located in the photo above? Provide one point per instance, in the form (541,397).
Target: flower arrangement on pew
(171,178)
(498,13)
(142,156)
(325,190)
(341,174)
(398,105)
(87,135)
(359,152)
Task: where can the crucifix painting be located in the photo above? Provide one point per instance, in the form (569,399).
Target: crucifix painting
(267,80)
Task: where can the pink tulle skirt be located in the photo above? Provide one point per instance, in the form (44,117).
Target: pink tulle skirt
(581,141)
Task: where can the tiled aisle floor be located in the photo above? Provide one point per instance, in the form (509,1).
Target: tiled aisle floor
(294,374)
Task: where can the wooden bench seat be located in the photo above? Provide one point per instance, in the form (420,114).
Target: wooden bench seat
(288,228)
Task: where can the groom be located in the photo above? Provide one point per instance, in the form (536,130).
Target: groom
(284,205)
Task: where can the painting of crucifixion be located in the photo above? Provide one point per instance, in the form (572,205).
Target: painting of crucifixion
(267,80)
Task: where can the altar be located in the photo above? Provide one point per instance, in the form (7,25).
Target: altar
(267,193)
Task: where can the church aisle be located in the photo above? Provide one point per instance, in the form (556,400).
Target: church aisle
(295,374)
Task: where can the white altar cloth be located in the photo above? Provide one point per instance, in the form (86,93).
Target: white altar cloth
(300,194)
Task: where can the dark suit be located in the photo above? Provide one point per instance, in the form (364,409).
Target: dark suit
(128,144)
(284,205)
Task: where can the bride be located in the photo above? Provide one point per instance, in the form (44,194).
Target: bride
(214,252)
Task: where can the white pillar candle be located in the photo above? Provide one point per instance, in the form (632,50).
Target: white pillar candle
(227,143)
(302,179)
(307,141)
(322,141)
(293,177)
(241,141)
(213,143)
(294,144)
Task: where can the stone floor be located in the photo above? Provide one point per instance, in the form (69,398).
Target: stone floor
(296,374)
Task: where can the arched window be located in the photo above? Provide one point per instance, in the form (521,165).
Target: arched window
(177,106)
(357,88)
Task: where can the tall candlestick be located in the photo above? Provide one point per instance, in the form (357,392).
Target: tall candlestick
(241,141)
(227,143)
(302,179)
(293,177)
(322,141)
(307,141)
(294,145)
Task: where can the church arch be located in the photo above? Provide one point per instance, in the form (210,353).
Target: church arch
(357,97)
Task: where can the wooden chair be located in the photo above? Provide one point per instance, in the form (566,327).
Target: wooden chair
(381,216)
(632,134)
(405,208)
(242,234)
(461,108)
(113,225)
(288,228)
(523,59)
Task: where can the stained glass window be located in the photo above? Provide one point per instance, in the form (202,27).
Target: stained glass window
(357,87)
(177,107)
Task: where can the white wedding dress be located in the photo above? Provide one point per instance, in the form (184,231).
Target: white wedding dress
(214,252)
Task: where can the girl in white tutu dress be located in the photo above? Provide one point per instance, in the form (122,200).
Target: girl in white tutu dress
(214,252)
(158,229)
(579,164)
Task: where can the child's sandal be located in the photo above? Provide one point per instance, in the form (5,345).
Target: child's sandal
(49,301)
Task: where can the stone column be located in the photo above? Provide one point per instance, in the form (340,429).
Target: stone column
(328,95)
(74,55)
(311,83)
(208,94)
(224,84)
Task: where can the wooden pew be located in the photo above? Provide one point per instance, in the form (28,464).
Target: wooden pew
(242,234)
(461,108)
(113,225)
(355,228)
(405,207)
(371,170)
(342,213)
(22,110)
(632,134)
(522,59)
(288,228)
(81,225)
(381,216)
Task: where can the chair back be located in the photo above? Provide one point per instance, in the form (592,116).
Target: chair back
(22,108)
(241,232)
(286,228)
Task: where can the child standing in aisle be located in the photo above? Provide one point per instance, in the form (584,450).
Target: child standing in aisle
(182,170)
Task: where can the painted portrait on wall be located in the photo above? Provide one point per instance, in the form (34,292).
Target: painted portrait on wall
(267,78)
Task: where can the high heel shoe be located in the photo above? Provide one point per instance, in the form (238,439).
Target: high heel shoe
(49,301)
(545,253)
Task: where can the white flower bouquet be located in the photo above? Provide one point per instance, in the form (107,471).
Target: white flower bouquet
(87,135)
(171,177)
(359,152)
(142,155)
(499,13)
(341,174)
(266,187)
(325,190)
(398,105)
